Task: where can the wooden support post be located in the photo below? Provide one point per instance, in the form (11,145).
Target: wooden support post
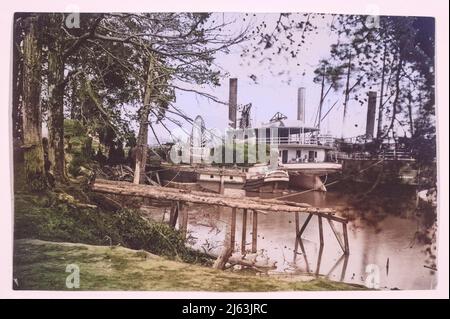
(300,233)
(227,250)
(244,231)
(336,234)
(336,264)
(344,268)
(297,224)
(173,214)
(184,219)
(233,228)
(180,215)
(254,231)
(222,184)
(157,178)
(319,260)
(320,231)
(296,249)
(347,247)
(299,241)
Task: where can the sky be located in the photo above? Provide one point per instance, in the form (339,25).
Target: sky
(275,89)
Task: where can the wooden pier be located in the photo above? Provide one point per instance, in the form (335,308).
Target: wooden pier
(255,205)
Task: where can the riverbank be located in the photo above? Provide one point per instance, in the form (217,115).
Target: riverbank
(118,248)
(70,213)
(41,265)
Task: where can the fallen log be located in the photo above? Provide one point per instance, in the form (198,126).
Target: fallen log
(164,193)
(201,193)
(242,261)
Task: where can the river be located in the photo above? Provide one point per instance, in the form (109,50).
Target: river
(384,242)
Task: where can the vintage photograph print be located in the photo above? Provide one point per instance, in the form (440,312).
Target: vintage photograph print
(225,152)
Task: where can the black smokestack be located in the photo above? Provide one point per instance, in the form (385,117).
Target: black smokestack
(371,108)
(301,104)
(232,103)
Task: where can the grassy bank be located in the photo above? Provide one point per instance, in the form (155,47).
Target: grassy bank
(41,265)
(70,214)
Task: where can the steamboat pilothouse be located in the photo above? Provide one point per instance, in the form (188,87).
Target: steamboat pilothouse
(302,152)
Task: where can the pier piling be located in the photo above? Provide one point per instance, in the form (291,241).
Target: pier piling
(233,228)
(184,219)
(254,231)
(347,247)
(244,231)
(320,231)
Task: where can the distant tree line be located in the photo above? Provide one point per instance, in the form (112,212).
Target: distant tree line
(392,55)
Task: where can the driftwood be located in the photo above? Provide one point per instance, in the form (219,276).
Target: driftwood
(164,193)
(116,172)
(227,250)
(249,261)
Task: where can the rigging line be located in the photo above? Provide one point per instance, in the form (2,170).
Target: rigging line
(190,121)
(329,110)
(151,149)
(317,115)
(176,175)
(159,170)
(154,133)
(173,121)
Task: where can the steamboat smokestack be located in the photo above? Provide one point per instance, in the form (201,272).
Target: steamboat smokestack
(301,104)
(371,108)
(232,103)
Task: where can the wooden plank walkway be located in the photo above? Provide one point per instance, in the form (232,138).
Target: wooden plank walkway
(256,205)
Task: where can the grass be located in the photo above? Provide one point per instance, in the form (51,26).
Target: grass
(59,215)
(41,265)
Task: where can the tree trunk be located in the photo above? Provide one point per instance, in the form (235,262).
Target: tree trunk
(410,114)
(397,95)
(347,93)
(142,139)
(321,100)
(74,100)
(31,108)
(380,107)
(17,85)
(56,112)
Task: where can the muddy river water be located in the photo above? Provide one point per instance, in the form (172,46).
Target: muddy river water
(387,245)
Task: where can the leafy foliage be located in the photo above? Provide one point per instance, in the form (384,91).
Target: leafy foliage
(57,216)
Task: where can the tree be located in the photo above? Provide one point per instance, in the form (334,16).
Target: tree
(144,112)
(120,46)
(329,77)
(56,85)
(31,108)
(179,50)
(285,35)
(60,44)
(394,58)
